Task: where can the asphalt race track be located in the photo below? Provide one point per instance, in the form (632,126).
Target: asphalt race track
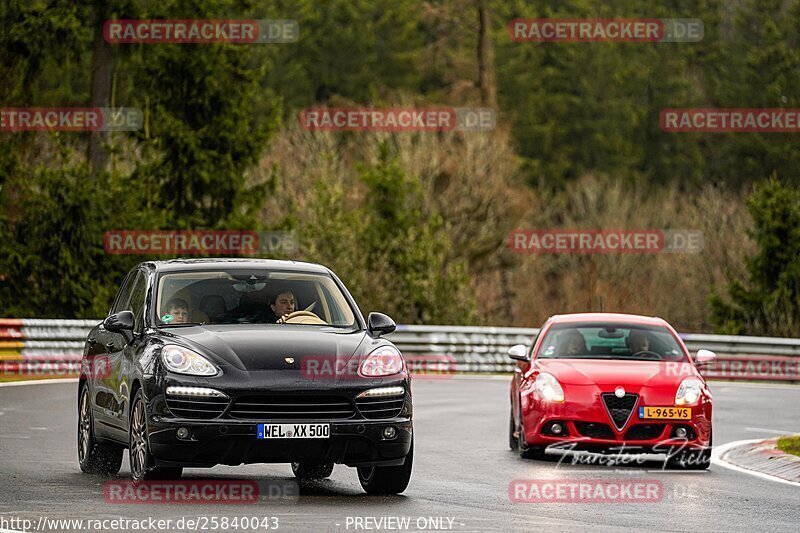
(462,471)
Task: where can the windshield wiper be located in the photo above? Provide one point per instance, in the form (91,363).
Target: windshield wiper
(181,324)
(608,357)
(576,357)
(598,356)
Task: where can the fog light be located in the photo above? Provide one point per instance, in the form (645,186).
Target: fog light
(183,433)
(680,433)
(389,433)
(556,428)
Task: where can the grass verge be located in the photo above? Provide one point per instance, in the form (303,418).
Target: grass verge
(790,444)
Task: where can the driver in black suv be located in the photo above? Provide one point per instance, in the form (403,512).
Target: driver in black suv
(252,310)
(281,305)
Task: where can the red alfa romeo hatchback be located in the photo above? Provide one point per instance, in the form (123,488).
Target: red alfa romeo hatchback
(611,382)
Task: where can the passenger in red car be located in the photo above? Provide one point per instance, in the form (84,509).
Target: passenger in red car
(572,343)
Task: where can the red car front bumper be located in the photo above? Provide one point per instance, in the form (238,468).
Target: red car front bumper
(587,422)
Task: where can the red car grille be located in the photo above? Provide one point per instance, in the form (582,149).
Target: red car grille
(619,409)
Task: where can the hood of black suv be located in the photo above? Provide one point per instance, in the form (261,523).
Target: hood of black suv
(268,347)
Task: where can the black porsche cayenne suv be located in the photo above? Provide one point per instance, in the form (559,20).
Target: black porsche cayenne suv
(232,361)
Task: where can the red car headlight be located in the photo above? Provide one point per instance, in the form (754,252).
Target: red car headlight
(548,388)
(383,361)
(689,392)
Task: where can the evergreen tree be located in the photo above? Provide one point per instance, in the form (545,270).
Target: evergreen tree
(768,302)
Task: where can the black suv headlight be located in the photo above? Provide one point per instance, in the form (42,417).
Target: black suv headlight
(182,360)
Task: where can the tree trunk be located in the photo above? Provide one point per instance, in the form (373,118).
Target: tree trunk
(485,56)
(102,65)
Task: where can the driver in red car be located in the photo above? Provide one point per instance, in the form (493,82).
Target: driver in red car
(638,341)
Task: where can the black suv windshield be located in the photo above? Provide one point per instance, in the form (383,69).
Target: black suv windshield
(247,296)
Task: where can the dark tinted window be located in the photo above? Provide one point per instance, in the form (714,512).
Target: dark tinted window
(136,304)
(124,294)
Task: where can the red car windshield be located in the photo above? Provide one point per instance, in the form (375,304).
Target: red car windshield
(610,341)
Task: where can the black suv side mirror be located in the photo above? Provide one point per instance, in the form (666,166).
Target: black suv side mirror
(119,322)
(379,324)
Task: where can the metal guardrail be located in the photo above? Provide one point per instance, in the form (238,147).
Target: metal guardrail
(42,346)
(483,349)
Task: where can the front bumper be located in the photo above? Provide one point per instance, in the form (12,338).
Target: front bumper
(355,440)
(233,442)
(574,440)
(582,418)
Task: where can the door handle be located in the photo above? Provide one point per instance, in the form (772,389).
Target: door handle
(91,341)
(110,346)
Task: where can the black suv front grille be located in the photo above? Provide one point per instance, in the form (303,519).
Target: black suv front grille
(594,430)
(375,408)
(200,408)
(619,408)
(644,431)
(294,407)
